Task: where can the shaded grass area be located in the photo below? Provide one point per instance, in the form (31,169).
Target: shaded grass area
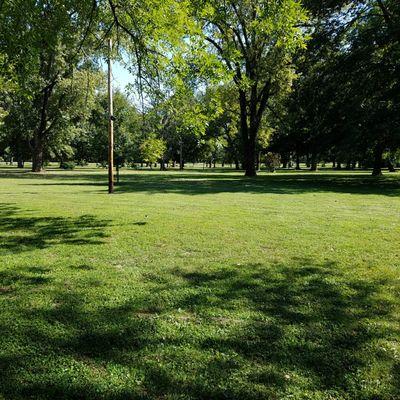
(283,287)
(197,181)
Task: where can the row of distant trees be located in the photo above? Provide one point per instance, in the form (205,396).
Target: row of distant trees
(247,83)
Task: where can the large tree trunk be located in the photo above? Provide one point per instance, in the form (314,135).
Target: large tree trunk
(249,135)
(251,112)
(37,154)
(250,158)
(378,152)
(43,101)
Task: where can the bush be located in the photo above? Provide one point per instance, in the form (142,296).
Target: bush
(69,165)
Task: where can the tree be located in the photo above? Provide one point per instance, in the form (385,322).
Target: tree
(345,105)
(152,150)
(255,40)
(91,144)
(54,34)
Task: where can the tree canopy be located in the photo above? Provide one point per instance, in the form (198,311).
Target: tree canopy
(227,81)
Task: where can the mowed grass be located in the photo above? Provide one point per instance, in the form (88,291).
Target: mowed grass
(199,285)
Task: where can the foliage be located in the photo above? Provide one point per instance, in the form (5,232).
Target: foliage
(345,105)
(54,34)
(67,165)
(272,161)
(255,41)
(153,150)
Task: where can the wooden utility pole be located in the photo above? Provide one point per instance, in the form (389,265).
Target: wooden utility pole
(110,123)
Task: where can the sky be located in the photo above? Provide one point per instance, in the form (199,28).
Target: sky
(121,76)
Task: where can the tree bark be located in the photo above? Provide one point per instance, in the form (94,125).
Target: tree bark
(313,163)
(391,166)
(378,152)
(250,158)
(37,154)
(249,136)
(298,162)
(181,162)
(20,163)
(308,164)
(162,165)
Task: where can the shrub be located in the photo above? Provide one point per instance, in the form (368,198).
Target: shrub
(69,165)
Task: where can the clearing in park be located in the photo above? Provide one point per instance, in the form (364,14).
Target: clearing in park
(199,284)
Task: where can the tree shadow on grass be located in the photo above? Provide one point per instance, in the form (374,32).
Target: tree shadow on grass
(248,332)
(199,182)
(19,232)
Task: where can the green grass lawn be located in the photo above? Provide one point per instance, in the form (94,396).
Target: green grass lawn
(199,285)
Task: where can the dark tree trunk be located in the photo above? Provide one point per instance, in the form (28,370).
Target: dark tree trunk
(37,155)
(308,164)
(250,158)
(181,162)
(298,162)
(43,101)
(162,165)
(378,152)
(391,166)
(20,163)
(313,163)
(248,132)
(285,160)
